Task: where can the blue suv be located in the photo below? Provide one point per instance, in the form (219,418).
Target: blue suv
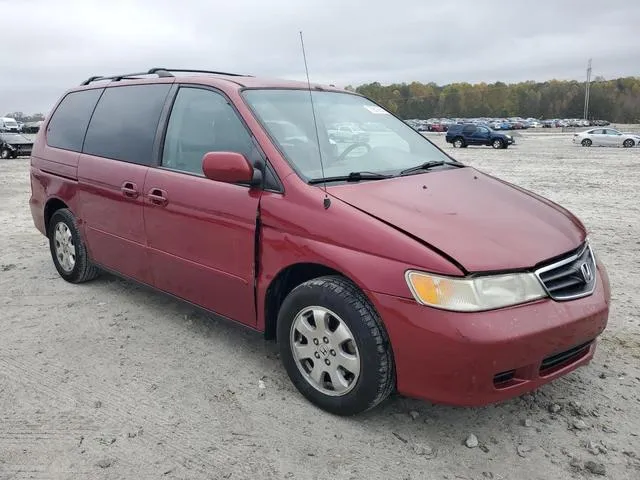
(463,135)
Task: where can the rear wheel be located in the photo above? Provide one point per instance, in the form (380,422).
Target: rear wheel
(628,143)
(458,142)
(334,346)
(586,142)
(68,250)
(497,143)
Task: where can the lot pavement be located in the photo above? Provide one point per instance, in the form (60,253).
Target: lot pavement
(110,380)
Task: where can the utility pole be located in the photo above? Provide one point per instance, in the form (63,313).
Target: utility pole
(586,91)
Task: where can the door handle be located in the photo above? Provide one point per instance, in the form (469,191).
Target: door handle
(130,190)
(157,196)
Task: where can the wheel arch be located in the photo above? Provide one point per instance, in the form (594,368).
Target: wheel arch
(52,206)
(284,282)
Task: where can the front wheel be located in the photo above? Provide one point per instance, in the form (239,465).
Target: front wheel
(5,154)
(497,143)
(586,142)
(628,143)
(334,346)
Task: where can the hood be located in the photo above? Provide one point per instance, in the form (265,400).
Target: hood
(15,139)
(481,222)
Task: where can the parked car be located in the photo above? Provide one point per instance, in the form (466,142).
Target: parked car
(31,127)
(606,137)
(390,267)
(349,134)
(8,124)
(13,145)
(463,135)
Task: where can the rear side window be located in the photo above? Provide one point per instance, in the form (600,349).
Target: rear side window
(69,122)
(124,123)
(469,129)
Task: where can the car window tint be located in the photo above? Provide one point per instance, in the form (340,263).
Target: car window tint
(596,132)
(202,121)
(124,123)
(469,129)
(68,124)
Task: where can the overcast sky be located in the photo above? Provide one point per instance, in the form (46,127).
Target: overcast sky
(50,45)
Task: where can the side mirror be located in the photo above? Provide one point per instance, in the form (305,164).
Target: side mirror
(230,167)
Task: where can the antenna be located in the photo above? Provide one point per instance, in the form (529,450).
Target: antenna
(327,200)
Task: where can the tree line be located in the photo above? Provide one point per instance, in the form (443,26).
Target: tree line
(614,100)
(21,117)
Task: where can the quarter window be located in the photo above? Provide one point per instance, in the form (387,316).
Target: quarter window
(68,124)
(124,124)
(203,121)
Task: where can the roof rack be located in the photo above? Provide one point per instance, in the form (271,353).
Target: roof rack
(191,70)
(160,72)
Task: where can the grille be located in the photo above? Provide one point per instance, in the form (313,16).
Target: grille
(502,379)
(572,277)
(564,358)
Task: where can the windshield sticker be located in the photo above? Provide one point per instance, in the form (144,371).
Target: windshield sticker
(377,110)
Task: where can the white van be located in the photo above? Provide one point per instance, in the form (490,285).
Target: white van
(9,125)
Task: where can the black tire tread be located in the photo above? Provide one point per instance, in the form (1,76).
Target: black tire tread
(352,295)
(86,270)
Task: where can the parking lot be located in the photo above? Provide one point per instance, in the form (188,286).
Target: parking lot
(111,380)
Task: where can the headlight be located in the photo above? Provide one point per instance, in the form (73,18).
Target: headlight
(474,294)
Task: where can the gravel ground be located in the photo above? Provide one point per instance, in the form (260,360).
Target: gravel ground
(111,380)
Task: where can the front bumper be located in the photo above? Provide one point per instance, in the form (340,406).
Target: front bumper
(472,359)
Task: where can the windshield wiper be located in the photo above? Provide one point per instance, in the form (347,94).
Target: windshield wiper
(352,177)
(424,166)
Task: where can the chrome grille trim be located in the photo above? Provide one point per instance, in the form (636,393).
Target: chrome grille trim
(569,268)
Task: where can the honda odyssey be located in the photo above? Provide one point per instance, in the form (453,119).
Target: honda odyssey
(378,265)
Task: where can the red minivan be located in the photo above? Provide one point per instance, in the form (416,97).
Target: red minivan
(378,265)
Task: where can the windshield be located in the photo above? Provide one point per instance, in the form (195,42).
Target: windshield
(355,135)
(10,123)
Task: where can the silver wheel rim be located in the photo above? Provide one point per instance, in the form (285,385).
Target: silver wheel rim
(496,144)
(325,351)
(458,143)
(64,247)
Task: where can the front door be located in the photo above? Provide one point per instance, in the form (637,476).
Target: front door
(201,233)
(480,136)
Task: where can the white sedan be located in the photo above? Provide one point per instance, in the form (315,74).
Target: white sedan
(606,137)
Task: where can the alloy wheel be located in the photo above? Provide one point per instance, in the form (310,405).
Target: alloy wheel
(325,351)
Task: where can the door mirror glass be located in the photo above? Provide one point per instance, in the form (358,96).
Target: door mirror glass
(229,167)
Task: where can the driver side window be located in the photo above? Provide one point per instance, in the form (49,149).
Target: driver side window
(202,121)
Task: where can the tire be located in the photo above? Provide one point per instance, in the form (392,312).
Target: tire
(63,227)
(367,347)
(586,142)
(5,154)
(458,142)
(497,143)
(628,143)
